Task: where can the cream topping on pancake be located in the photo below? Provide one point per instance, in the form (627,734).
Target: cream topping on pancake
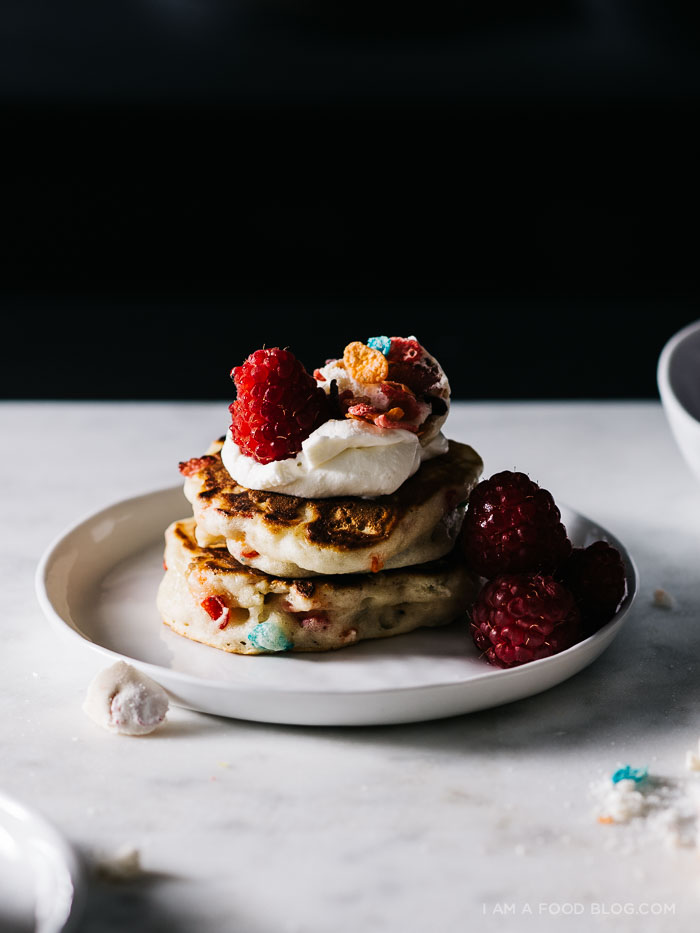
(340,458)
(352,456)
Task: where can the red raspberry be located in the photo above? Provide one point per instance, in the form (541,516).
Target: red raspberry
(513,526)
(523,617)
(278,405)
(596,577)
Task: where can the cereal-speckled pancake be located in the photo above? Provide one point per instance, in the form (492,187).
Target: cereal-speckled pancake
(290,536)
(208,596)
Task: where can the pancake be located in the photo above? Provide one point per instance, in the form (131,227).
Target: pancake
(262,613)
(290,536)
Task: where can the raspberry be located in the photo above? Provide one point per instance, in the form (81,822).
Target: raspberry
(596,577)
(513,526)
(518,618)
(278,405)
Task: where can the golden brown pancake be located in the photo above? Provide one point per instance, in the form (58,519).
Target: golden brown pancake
(259,613)
(291,536)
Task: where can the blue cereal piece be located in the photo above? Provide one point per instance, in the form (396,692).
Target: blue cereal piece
(269,637)
(383,344)
(630,774)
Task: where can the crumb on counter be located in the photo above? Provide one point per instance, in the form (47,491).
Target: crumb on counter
(122,699)
(692,759)
(122,865)
(663,600)
(644,808)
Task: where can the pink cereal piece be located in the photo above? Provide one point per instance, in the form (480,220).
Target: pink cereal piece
(362,412)
(382,421)
(404,350)
(190,467)
(315,621)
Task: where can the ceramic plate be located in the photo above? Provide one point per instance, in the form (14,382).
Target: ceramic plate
(41,885)
(97,585)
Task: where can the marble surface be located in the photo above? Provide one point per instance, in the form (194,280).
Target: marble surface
(480,822)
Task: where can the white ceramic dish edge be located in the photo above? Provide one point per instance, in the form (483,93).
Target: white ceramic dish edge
(59,877)
(685,427)
(370,707)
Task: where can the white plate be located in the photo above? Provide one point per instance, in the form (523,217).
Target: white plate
(97,585)
(41,883)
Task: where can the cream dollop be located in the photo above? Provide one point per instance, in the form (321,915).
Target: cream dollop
(340,458)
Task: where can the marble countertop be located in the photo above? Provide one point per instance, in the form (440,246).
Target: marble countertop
(470,823)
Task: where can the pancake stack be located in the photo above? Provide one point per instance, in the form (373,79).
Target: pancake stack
(255,571)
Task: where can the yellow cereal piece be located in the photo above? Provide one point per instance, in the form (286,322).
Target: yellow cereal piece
(395,414)
(364,363)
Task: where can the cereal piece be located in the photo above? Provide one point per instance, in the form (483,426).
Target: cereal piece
(405,350)
(269,637)
(663,600)
(365,364)
(362,412)
(383,344)
(630,774)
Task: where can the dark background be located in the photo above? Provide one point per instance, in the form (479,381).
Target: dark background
(186,180)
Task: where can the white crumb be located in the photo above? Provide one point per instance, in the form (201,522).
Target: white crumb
(692,759)
(661,809)
(619,802)
(663,600)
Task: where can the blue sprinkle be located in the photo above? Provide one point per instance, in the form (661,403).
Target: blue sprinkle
(383,344)
(630,774)
(269,637)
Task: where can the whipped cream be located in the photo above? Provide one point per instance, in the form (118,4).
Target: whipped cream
(340,458)
(122,699)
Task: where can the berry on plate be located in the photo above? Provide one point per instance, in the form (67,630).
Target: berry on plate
(518,618)
(596,577)
(278,405)
(513,526)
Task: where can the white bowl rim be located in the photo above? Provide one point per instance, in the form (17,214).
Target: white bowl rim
(663,368)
